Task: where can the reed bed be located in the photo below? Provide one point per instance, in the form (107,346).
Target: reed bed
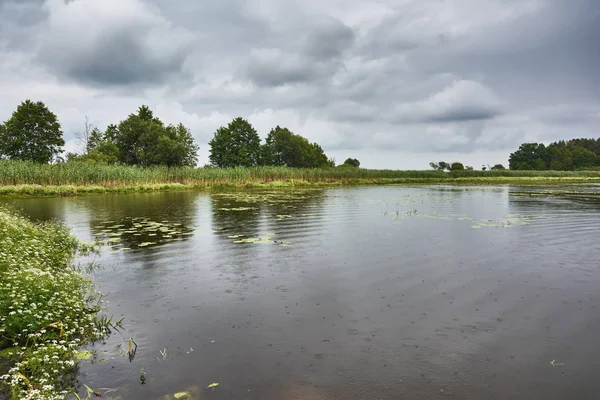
(79,177)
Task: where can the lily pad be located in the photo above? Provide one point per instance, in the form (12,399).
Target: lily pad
(83,355)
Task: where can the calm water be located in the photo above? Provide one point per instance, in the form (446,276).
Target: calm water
(360,293)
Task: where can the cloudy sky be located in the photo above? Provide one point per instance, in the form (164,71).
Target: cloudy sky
(394,83)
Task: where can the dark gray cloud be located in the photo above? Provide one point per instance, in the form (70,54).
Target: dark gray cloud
(329,40)
(467,77)
(114,43)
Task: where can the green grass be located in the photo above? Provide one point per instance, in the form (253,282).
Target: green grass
(48,308)
(29,179)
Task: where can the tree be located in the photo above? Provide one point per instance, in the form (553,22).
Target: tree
(498,167)
(143,139)
(283,147)
(530,155)
(82,138)
(456,166)
(469,167)
(235,145)
(440,166)
(353,162)
(177,147)
(32,133)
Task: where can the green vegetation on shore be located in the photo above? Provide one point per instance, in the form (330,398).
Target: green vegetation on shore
(48,308)
(21,178)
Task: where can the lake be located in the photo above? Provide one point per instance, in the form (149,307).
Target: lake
(386,292)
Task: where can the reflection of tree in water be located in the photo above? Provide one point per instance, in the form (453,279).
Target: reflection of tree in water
(255,213)
(40,209)
(142,220)
(235,213)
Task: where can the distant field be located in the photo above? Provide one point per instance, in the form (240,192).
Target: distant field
(24,178)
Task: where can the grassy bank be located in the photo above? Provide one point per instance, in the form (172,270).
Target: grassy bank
(28,179)
(47,308)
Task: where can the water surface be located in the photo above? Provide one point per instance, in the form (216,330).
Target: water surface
(361,293)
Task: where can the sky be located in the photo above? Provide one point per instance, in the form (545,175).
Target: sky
(393,83)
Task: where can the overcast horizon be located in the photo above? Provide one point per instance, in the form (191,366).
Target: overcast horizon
(394,83)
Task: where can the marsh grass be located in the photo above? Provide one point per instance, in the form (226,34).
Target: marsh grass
(48,308)
(73,178)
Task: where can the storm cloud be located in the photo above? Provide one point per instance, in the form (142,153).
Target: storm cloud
(395,83)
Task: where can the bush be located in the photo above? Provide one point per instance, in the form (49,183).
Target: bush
(456,166)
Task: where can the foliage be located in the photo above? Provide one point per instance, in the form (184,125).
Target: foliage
(72,178)
(235,145)
(284,147)
(440,166)
(352,162)
(497,167)
(141,139)
(31,134)
(562,155)
(47,307)
(456,166)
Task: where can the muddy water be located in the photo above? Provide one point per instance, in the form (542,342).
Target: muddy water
(360,293)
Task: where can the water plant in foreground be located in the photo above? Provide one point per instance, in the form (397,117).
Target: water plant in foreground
(48,308)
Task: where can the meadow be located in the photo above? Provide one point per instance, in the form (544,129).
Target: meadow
(72,178)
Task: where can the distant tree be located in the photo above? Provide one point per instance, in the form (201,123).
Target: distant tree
(483,167)
(82,138)
(352,162)
(143,139)
(32,133)
(468,167)
(283,147)
(584,158)
(235,145)
(440,166)
(498,167)
(456,166)
(70,156)
(530,155)
(137,138)
(445,166)
(95,139)
(176,147)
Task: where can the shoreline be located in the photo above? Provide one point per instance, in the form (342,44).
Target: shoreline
(34,190)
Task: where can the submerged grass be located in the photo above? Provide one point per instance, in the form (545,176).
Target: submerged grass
(48,308)
(29,179)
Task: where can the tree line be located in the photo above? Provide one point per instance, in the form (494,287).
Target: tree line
(574,154)
(33,133)
(458,166)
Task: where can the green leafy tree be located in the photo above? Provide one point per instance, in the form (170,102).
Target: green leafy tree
(143,139)
(497,167)
(583,158)
(235,145)
(440,166)
(353,162)
(137,138)
(283,147)
(32,133)
(530,155)
(177,147)
(95,139)
(456,166)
